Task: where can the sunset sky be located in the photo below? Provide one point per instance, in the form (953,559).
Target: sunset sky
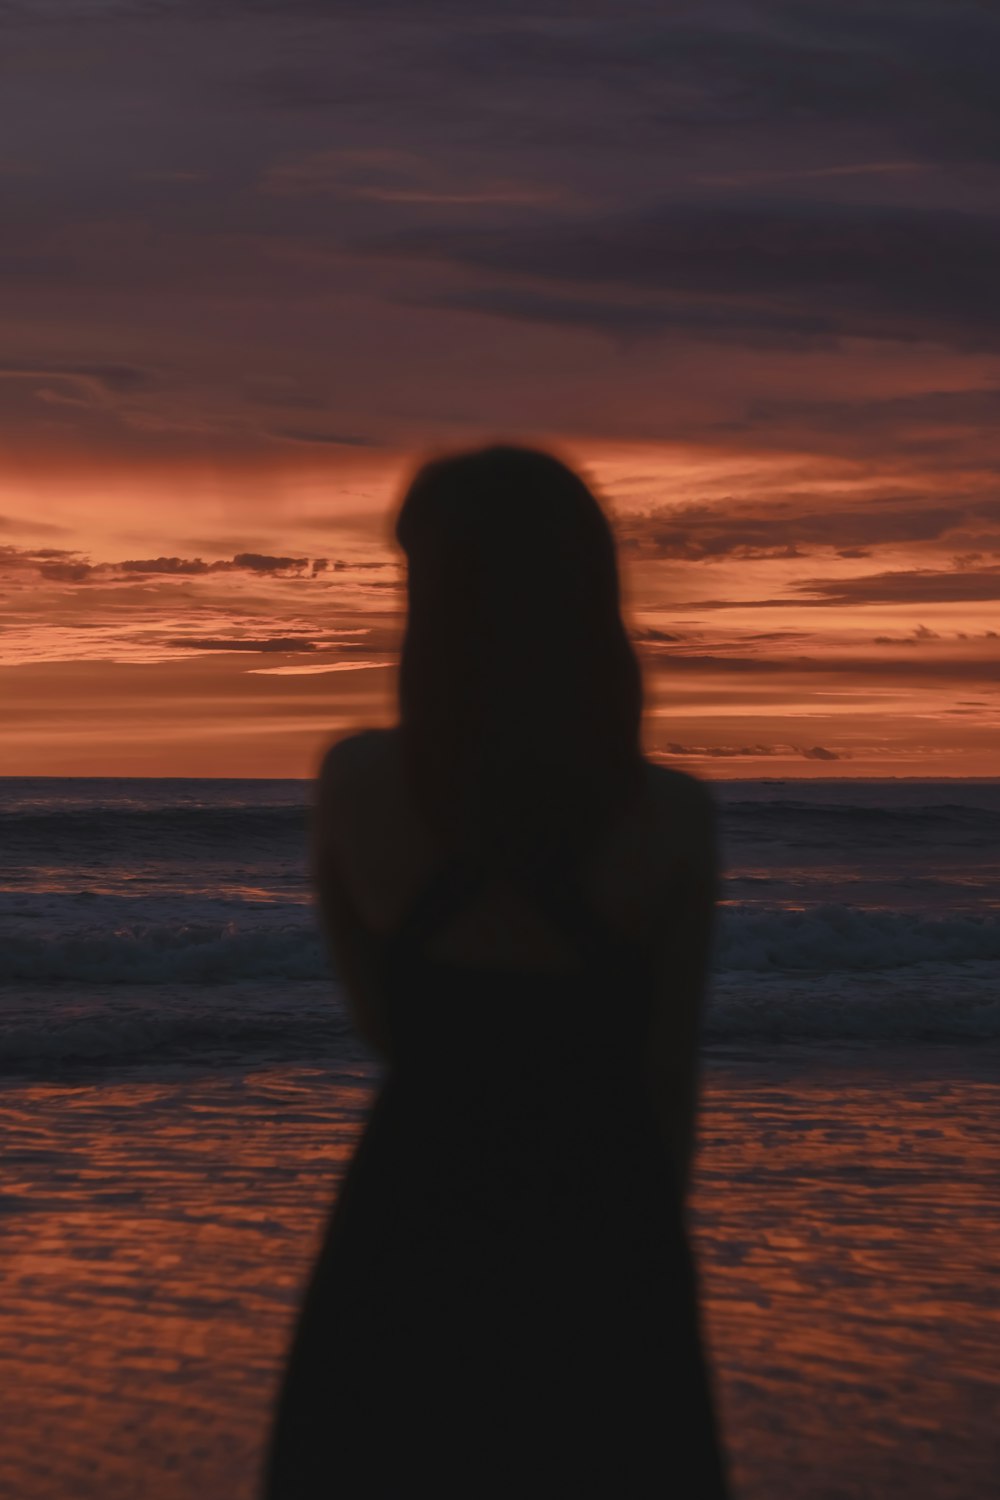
(739,262)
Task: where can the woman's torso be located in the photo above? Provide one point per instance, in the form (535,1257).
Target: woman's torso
(386,855)
(512,1177)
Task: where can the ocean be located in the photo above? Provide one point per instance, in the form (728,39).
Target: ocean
(182,1090)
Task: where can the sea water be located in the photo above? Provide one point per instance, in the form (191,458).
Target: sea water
(182,1090)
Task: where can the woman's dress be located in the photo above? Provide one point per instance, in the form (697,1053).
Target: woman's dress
(505,1303)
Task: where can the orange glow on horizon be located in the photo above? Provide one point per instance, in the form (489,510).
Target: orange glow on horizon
(231,619)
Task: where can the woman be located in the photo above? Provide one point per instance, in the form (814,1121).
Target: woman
(520,906)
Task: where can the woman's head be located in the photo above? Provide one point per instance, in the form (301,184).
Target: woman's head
(520,695)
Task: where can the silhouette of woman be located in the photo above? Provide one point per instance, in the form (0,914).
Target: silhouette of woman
(520,906)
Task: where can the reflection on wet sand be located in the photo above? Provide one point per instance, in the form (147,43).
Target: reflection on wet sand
(156,1236)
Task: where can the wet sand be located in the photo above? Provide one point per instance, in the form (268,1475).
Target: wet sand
(157,1230)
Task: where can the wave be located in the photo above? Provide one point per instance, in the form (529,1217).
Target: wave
(841,938)
(243,1022)
(258,1022)
(855,828)
(150,953)
(70,809)
(861,812)
(925,1002)
(47,828)
(819,940)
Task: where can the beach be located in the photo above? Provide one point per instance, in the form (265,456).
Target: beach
(845,1217)
(182,1091)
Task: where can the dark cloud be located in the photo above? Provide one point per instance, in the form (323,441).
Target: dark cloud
(629,322)
(777,528)
(24,557)
(259,562)
(725,752)
(752,175)
(919,77)
(284,643)
(187,566)
(914,587)
(66,572)
(654,637)
(742,752)
(919,635)
(924,586)
(330,439)
(877,271)
(70,567)
(940,668)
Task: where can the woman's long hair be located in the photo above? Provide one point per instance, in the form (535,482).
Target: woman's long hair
(520,695)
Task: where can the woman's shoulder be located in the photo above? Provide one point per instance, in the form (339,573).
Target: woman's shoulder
(363,790)
(357,757)
(367,752)
(361,796)
(369,756)
(679,793)
(684,822)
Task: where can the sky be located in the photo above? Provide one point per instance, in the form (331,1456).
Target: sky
(738,263)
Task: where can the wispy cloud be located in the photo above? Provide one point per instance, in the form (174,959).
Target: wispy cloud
(674,751)
(314,667)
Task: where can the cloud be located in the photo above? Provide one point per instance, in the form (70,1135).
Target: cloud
(920,633)
(917,586)
(186,566)
(852,669)
(330,439)
(652,636)
(259,562)
(700,178)
(875,269)
(776,528)
(725,752)
(65,572)
(264,644)
(61,566)
(746,752)
(314,667)
(98,378)
(629,322)
(21,558)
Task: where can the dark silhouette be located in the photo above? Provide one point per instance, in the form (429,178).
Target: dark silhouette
(520,906)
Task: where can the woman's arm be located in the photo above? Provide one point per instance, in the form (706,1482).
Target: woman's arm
(673,1055)
(346,934)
